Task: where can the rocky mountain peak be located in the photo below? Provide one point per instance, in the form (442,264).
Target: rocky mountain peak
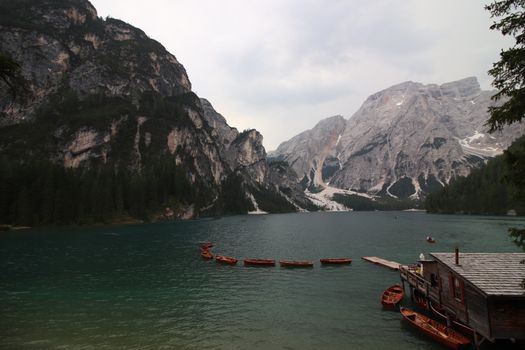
(464,88)
(61,13)
(403,141)
(103,94)
(224,132)
(63,45)
(311,151)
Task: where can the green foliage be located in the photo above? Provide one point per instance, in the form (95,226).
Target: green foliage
(360,203)
(403,188)
(491,189)
(514,158)
(515,163)
(38,192)
(509,79)
(509,71)
(35,192)
(22,14)
(518,236)
(272,201)
(232,198)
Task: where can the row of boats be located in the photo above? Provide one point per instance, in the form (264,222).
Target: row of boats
(228,260)
(447,336)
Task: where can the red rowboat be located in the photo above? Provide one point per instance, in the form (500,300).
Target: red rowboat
(206,254)
(226,260)
(336,261)
(206,245)
(259,262)
(435,330)
(459,326)
(293,263)
(392,296)
(420,299)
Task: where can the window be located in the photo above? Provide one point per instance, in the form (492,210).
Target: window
(434,282)
(457,288)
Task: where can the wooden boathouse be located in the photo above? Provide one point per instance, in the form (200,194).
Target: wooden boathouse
(484,291)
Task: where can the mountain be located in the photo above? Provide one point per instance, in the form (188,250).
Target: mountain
(492,189)
(404,141)
(103,98)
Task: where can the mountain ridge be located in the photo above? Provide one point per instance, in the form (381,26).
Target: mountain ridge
(404,141)
(103,95)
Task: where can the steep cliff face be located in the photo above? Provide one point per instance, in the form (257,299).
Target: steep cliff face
(63,44)
(404,141)
(242,152)
(314,152)
(102,92)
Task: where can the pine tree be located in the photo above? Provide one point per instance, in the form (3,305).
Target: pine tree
(509,79)
(509,71)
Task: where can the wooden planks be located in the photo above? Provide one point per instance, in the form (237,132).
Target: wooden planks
(498,274)
(379,261)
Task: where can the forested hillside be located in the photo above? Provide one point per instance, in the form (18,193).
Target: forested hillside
(490,189)
(100,124)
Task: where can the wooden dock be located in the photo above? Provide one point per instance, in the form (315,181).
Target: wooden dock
(386,263)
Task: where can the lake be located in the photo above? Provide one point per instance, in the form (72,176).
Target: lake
(146,286)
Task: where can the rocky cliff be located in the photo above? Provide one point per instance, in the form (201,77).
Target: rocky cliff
(404,141)
(102,92)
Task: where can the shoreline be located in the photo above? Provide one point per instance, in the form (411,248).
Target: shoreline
(133,221)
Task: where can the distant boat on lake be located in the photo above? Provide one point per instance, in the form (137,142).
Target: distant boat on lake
(336,261)
(226,260)
(259,262)
(431,239)
(206,254)
(295,263)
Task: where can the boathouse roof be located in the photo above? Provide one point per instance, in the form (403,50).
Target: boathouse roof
(495,274)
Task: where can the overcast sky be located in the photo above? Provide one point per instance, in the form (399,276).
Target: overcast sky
(280,66)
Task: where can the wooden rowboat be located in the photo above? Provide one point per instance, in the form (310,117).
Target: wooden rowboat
(206,254)
(206,245)
(392,296)
(294,263)
(420,299)
(336,261)
(457,325)
(435,330)
(259,262)
(226,260)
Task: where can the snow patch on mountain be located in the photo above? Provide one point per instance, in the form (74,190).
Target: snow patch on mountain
(257,210)
(324,198)
(476,145)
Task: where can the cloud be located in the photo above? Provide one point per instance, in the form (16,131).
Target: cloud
(281,66)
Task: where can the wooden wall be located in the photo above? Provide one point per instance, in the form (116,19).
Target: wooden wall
(507,318)
(492,317)
(447,298)
(477,309)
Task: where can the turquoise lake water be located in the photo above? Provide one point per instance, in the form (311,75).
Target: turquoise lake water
(146,287)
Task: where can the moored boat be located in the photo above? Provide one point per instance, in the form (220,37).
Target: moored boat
(457,325)
(226,260)
(435,330)
(296,263)
(420,299)
(336,261)
(206,245)
(259,262)
(206,254)
(392,296)
(431,239)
